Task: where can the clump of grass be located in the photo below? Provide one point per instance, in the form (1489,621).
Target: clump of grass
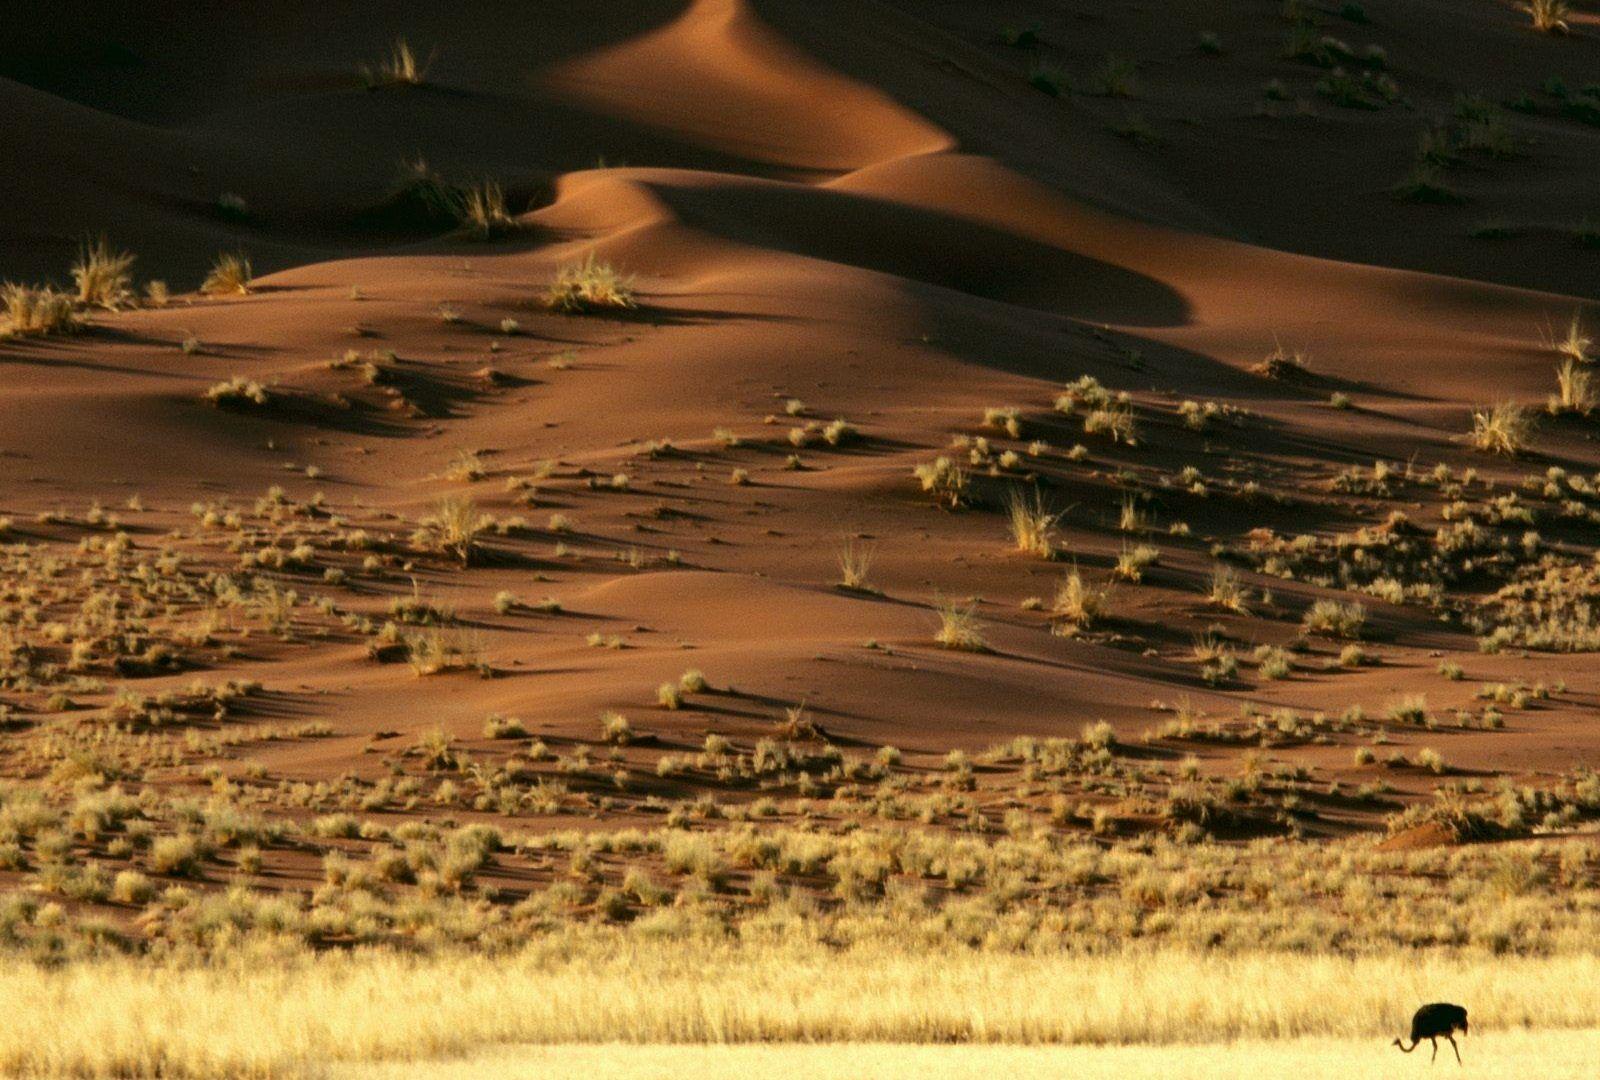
(1335,619)
(1078,605)
(483,211)
(504,727)
(1115,419)
(399,68)
(435,651)
(1131,563)
(230,276)
(237,391)
(1033,525)
(36,311)
(1575,392)
(855,563)
(1575,346)
(1550,16)
(455,527)
(945,480)
(103,277)
(1226,591)
(615,728)
(959,627)
(589,286)
(1281,363)
(1006,417)
(1503,428)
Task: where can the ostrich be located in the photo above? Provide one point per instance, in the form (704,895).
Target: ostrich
(1432,1021)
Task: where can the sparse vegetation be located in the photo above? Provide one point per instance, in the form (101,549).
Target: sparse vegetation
(103,277)
(399,68)
(230,275)
(1033,524)
(36,310)
(589,286)
(959,627)
(1502,428)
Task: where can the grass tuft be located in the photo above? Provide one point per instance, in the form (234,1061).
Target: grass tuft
(1503,428)
(589,286)
(102,276)
(230,276)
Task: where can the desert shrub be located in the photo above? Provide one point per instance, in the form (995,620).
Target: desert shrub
(959,627)
(102,276)
(1033,524)
(1077,604)
(399,68)
(36,310)
(589,286)
(1503,428)
(230,275)
(1335,619)
(237,391)
(1550,16)
(483,213)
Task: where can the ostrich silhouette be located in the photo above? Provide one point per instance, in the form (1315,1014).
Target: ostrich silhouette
(1432,1021)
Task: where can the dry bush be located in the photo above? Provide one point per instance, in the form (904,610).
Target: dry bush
(399,68)
(1550,16)
(455,526)
(945,480)
(483,211)
(1575,391)
(102,276)
(1335,619)
(238,391)
(589,286)
(959,627)
(1033,524)
(1575,345)
(230,276)
(1078,605)
(1226,591)
(855,562)
(1503,428)
(36,310)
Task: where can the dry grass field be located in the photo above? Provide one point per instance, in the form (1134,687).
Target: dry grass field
(591,994)
(1569,1055)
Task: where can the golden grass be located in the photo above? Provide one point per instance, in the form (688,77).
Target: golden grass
(33,311)
(589,286)
(1078,605)
(1033,524)
(1575,390)
(483,212)
(102,276)
(261,1018)
(959,627)
(1576,344)
(456,524)
(1550,16)
(1512,1053)
(399,68)
(230,275)
(855,566)
(1568,1056)
(1502,428)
